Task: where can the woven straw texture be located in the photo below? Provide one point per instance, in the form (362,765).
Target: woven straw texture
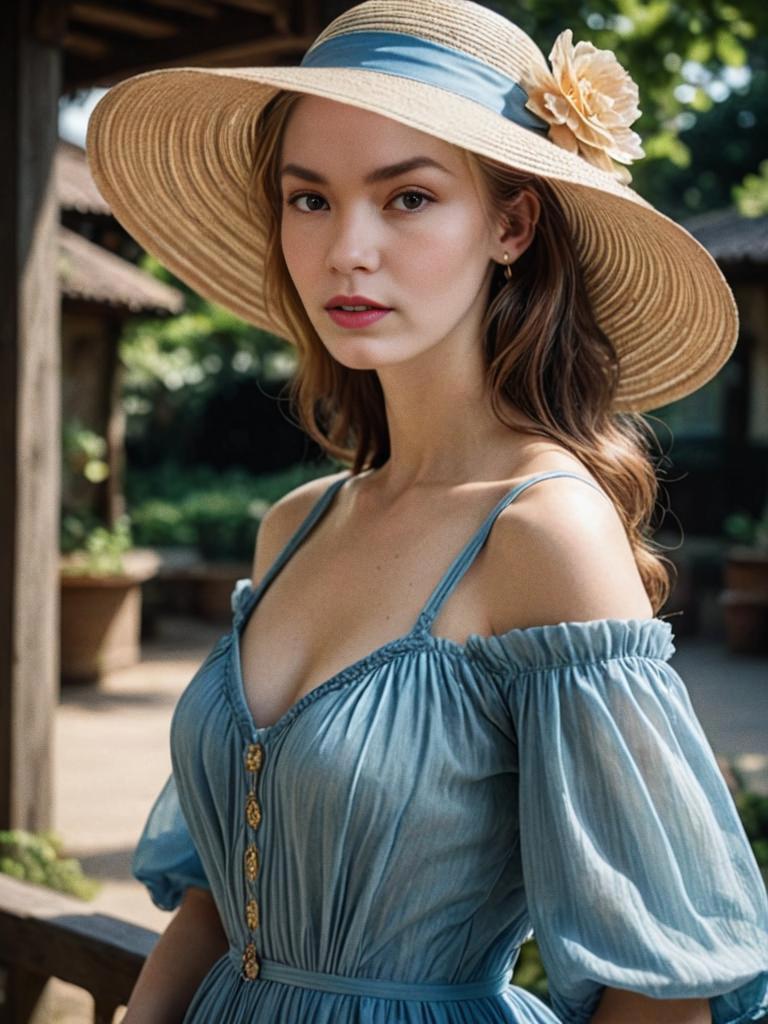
(171,152)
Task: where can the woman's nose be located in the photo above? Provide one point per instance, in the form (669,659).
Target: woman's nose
(353,244)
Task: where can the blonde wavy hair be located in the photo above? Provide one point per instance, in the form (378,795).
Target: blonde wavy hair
(544,354)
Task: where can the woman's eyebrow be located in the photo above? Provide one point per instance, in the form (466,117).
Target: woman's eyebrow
(380,174)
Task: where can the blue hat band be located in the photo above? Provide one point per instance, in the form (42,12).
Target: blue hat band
(406,56)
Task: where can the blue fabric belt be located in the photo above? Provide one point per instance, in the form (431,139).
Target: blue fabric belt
(396,53)
(271,970)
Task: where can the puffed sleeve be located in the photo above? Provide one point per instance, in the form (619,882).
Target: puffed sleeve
(165,859)
(637,869)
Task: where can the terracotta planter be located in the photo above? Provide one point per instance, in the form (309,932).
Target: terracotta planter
(745,600)
(100,619)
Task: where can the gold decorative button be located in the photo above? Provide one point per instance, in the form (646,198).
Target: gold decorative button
(252,914)
(252,811)
(251,862)
(254,757)
(251,964)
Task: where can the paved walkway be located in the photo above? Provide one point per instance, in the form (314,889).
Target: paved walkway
(112,756)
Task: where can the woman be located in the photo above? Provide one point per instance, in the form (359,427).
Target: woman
(444,719)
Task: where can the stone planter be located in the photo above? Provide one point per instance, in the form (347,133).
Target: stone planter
(745,600)
(100,619)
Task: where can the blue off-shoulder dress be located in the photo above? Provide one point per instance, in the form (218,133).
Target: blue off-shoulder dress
(379,854)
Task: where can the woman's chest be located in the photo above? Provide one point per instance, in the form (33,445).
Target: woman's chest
(411,733)
(327,610)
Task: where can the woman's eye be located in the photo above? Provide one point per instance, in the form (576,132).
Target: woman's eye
(310,199)
(414,195)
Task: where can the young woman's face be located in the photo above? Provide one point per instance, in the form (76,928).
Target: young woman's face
(417,241)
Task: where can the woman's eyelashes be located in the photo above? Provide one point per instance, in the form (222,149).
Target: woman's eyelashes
(412,193)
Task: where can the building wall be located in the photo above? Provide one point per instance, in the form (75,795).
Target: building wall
(752,300)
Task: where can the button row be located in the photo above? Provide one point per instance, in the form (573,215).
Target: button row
(254,758)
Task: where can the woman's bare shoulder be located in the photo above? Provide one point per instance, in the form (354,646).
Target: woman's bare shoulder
(283,518)
(560,552)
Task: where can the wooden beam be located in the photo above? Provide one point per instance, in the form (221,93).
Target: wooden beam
(267,7)
(48,934)
(262,53)
(279,13)
(121,20)
(240,37)
(50,21)
(30,412)
(84,45)
(200,8)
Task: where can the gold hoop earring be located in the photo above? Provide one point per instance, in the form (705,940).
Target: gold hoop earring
(507,268)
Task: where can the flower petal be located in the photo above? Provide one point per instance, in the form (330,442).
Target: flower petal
(589,101)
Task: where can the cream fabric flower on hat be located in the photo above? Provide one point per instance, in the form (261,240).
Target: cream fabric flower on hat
(589,101)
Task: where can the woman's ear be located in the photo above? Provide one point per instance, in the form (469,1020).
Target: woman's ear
(518,228)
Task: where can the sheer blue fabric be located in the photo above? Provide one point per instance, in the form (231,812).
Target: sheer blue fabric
(165,859)
(428,808)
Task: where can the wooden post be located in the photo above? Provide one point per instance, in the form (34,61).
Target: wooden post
(30,74)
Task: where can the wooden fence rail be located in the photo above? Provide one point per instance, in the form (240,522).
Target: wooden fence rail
(44,934)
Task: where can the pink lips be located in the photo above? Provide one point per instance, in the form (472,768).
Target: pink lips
(363,318)
(355,319)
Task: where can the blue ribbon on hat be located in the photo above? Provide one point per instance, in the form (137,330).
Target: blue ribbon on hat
(407,56)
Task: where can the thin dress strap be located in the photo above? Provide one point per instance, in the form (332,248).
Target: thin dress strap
(465,557)
(315,513)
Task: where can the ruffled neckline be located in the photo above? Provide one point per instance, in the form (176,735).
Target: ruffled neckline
(574,643)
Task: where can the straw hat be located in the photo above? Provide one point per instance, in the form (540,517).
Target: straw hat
(171,152)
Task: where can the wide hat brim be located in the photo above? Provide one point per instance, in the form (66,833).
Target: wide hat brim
(171,152)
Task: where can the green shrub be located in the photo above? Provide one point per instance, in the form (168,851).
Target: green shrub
(753,810)
(225,523)
(217,512)
(160,522)
(36,857)
(529,972)
(101,550)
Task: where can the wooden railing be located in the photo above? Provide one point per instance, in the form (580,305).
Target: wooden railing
(44,934)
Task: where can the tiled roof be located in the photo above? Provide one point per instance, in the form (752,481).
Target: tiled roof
(731,238)
(75,187)
(89,272)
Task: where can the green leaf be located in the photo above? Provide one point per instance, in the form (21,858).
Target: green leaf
(729,49)
(701,101)
(699,49)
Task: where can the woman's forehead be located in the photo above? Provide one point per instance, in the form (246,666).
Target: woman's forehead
(329,128)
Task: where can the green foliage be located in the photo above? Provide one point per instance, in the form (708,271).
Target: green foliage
(753,810)
(529,971)
(218,512)
(752,195)
(700,67)
(37,857)
(743,528)
(83,451)
(173,366)
(101,549)
(92,548)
